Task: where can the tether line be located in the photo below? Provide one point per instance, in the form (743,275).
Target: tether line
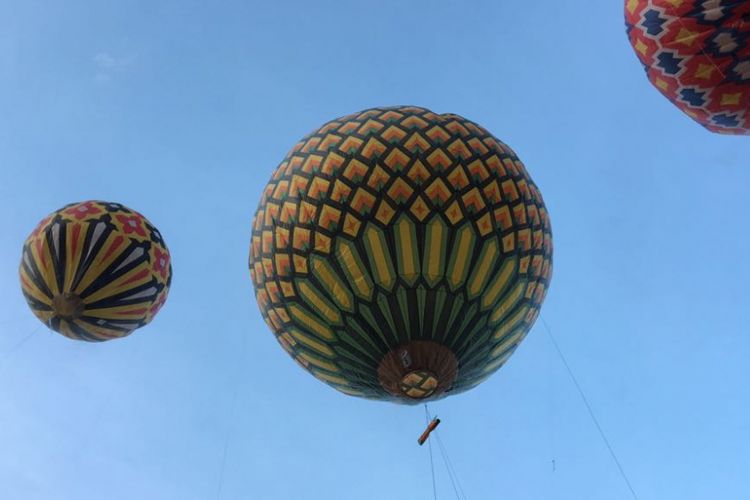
(19,344)
(589,408)
(429,445)
(232,411)
(451,470)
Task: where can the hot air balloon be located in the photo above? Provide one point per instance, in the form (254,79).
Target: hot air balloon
(95,271)
(697,53)
(398,254)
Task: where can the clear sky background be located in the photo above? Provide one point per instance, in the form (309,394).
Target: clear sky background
(182,109)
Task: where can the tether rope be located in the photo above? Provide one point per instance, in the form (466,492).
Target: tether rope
(451,470)
(589,408)
(232,411)
(20,343)
(429,445)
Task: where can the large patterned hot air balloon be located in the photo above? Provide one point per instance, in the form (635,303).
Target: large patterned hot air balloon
(399,254)
(95,271)
(697,53)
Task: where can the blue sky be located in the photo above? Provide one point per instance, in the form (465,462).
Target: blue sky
(181,110)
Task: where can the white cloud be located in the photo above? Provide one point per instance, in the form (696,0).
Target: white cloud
(107,65)
(105,61)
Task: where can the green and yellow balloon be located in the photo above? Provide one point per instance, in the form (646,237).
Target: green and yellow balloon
(95,271)
(399,254)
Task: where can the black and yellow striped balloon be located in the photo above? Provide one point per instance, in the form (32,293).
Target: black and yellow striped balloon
(95,271)
(400,254)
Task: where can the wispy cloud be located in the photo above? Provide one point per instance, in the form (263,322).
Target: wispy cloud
(108,65)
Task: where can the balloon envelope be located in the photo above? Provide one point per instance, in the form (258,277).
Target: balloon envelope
(697,53)
(399,254)
(95,271)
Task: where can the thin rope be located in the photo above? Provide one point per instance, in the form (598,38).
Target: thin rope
(446,461)
(588,407)
(448,468)
(449,465)
(131,359)
(19,344)
(232,410)
(429,445)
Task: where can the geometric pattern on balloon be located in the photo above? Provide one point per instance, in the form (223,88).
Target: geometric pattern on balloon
(399,254)
(95,271)
(697,53)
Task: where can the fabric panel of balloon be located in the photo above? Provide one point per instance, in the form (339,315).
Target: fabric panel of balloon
(697,53)
(95,271)
(399,254)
